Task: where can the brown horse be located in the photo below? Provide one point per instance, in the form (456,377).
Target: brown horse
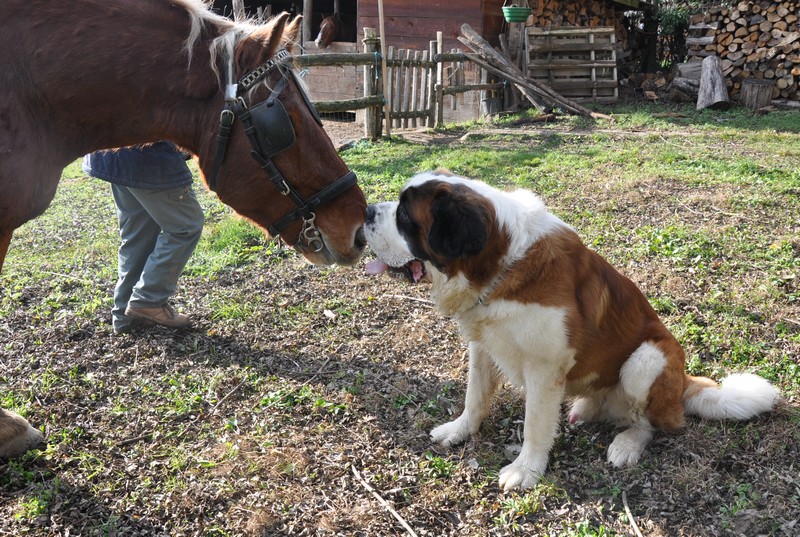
(333,28)
(85,75)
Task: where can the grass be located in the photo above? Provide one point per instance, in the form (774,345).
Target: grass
(250,423)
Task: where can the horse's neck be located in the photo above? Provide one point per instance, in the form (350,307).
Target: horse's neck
(115,87)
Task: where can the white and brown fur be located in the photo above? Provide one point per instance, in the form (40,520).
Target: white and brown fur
(538,306)
(16,435)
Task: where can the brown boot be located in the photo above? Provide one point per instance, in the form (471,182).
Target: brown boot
(163,315)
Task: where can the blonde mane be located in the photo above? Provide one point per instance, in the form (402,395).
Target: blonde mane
(224,45)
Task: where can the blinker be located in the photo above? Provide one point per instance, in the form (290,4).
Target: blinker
(273,128)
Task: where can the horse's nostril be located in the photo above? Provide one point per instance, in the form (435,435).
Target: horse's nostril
(361,238)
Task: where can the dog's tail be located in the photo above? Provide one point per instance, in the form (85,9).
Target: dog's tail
(738,397)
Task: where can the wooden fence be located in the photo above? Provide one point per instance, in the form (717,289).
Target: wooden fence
(415,86)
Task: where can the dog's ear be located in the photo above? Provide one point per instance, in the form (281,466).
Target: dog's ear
(459,226)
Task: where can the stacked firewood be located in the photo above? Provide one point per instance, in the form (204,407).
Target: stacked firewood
(571,13)
(758,39)
(546,13)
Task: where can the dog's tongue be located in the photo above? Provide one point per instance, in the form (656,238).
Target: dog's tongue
(416,271)
(375,267)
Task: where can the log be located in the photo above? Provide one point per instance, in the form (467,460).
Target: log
(690,70)
(687,85)
(755,93)
(713,92)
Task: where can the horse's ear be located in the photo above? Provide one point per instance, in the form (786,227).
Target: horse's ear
(292,33)
(460,226)
(262,44)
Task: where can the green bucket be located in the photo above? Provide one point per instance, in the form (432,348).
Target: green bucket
(516,13)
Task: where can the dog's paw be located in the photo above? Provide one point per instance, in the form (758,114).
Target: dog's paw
(452,433)
(627,447)
(517,475)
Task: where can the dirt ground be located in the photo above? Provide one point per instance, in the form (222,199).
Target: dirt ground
(343,132)
(309,414)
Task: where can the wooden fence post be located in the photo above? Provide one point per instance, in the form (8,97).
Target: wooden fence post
(430,103)
(439,81)
(308,9)
(373,114)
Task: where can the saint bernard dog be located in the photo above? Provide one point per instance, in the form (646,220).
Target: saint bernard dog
(537,305)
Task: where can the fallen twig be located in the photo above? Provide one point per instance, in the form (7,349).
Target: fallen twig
(383,502)
(632,520)
(213,410)
(412,298)
(123,443)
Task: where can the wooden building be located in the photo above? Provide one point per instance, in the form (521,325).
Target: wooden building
(413,24)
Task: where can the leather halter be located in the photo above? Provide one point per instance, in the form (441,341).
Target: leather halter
(270,131)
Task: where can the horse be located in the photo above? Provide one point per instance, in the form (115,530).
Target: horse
(333,28)
(85,75)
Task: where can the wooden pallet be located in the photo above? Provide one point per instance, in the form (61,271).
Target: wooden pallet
(579,63)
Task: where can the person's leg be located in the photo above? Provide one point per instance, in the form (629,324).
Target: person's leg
(138,234)
(180,217)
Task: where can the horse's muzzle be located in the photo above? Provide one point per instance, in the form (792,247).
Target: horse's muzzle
(331,256)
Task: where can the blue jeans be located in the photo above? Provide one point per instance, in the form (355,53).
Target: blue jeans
(159,230)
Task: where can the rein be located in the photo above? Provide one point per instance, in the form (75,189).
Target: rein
(270,131)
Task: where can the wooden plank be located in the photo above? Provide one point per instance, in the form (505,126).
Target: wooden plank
(586,85)
(414,83)
(418,9)
(569,31)
(409,74)
(573,72)
(568,62)
(431,99)
(570,47)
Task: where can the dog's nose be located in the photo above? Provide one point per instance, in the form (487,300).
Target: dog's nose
(370,217)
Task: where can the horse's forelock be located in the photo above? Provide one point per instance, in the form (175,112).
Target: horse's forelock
(230,35)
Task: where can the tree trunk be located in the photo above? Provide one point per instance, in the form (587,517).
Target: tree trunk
(713,92)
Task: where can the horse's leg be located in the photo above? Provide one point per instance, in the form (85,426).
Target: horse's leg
(5,240)
(16,435)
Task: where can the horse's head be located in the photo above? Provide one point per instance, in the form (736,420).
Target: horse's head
(328,29)
(295,183)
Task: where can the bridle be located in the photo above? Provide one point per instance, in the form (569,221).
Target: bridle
(270,131)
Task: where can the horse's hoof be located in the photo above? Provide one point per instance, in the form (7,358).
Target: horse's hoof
(16,435)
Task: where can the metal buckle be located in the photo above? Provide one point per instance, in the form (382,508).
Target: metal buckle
(226,117)
(285,189)
(310,233)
